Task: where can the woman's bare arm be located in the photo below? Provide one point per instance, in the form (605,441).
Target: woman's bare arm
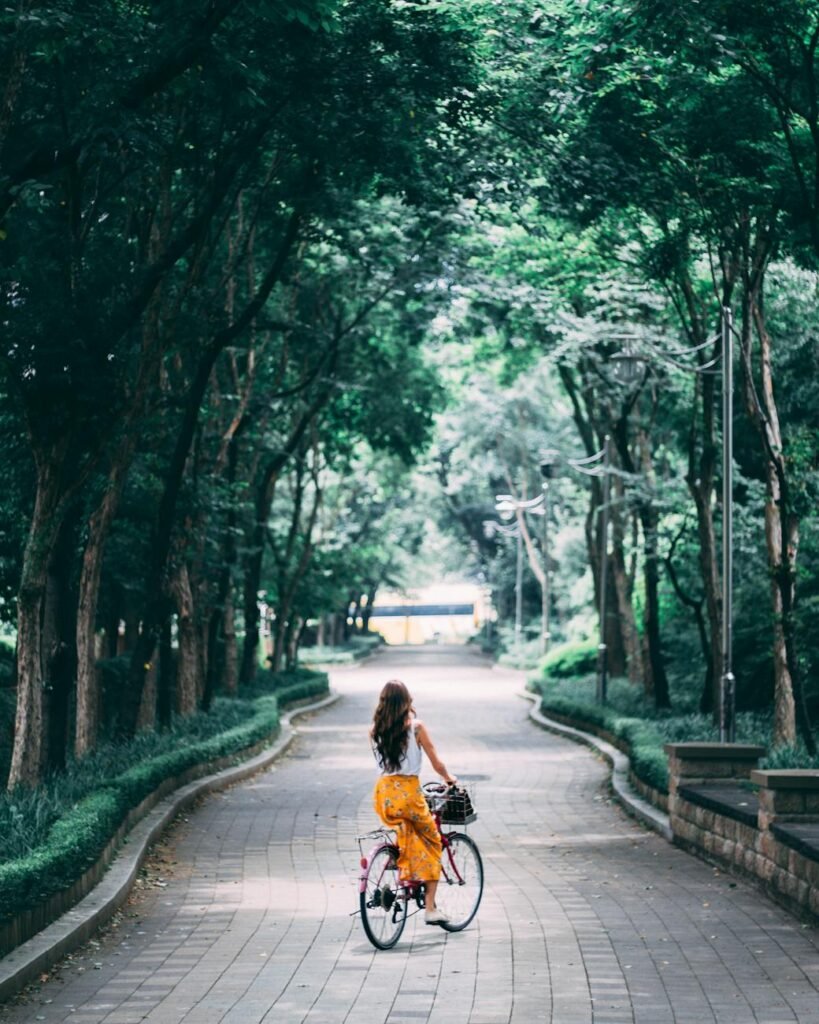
(429,749)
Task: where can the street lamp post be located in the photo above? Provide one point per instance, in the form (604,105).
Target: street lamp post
(628,365)
(727,690)
(592,466)
(602,647)
(547,465)
(490,527)
(519,592)
(508,506)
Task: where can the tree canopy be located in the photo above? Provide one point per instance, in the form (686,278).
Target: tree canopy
(285,287)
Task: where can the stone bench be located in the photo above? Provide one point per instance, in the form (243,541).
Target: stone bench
(711,806)
(763,824)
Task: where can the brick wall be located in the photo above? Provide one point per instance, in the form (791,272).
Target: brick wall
(763,825)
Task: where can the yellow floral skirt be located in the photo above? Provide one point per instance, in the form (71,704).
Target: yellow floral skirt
(399,802)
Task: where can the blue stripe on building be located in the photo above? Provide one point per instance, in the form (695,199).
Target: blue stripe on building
(391,611)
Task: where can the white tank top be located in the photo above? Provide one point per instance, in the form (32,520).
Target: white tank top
(410,763)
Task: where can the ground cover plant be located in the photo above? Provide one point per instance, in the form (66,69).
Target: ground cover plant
(632,718)
(356,648)
(50,835)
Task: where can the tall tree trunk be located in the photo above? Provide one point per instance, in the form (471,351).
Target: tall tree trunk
(702,492)
(703,453)
(230,676)
(222,665)
(265,489)
(280,632)
(613,634)
(655,679)
(653,666)
(781,521)
(695,606)
(59,662)
(26,758)
(700,478)
(251,584)
(165,676)
(157,604)
(367,612)
(288,586)
(99,525)
(623,587)
(130,616)
(295,630)
(650,520)
(189,665)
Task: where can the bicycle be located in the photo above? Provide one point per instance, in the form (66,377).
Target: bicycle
(384,899)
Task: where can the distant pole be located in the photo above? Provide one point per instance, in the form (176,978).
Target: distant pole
(602,649)
(519,592)
(544,627)
(727,703)
(488,611)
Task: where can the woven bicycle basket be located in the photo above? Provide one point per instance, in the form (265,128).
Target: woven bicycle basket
(458,809)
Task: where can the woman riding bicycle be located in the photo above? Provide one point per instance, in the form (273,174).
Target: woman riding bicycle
(397,739)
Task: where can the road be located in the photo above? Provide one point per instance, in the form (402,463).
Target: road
(244,915)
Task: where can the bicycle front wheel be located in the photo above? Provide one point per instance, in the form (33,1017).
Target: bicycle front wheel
(460,887)
(382,901)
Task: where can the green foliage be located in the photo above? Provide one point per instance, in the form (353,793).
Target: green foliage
(789,757)
(523,655)
(574,698)
(571,659)
(634,720)
(291,685)
(74,843)
(356,648)
(54,833)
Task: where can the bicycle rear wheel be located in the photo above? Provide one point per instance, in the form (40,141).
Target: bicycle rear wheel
(383,903)
(460,887)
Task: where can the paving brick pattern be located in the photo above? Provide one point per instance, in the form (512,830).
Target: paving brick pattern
(586,917)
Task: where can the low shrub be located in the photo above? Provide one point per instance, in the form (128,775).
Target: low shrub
(569,660)
(524,655)
(50,836)
(575,699)
(358,646)
(74,843)
(293,685)
(630,716)
(366,641)
(7,713)
(8,665)
(790,757)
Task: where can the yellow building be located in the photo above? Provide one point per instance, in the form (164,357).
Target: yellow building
(447,613)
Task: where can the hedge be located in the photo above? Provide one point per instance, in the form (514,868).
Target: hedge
(356,648)
(643,740)
(76,840)
(570,659)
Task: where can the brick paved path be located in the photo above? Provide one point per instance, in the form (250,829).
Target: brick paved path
(585,917)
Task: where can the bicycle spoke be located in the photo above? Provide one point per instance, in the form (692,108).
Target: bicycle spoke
(460,887)
(383,903)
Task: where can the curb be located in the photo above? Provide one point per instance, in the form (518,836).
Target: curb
(39,953)
(633,804)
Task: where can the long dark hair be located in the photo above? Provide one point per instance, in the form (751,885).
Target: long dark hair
(390,730)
